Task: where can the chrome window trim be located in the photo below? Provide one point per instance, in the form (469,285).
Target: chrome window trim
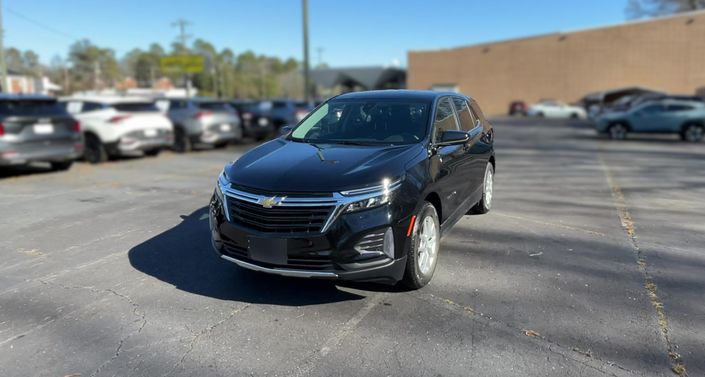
(338,201)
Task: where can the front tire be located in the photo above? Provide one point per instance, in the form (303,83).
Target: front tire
(693,133)
(485,204)
(182,143)
(422,256)
(61,165)
(618,131)
(152,152)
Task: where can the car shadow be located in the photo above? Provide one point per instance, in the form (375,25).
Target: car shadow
(182,256)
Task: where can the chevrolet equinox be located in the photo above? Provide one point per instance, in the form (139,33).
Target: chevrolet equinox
(361,189)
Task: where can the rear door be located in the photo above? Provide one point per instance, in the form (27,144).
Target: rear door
(471,162)
(35,121)
(677,114)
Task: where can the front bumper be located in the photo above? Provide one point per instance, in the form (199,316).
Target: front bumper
(327,255)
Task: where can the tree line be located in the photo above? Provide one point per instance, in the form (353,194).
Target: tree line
(226,74)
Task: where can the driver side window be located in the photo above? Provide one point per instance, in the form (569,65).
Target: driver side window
(444,120)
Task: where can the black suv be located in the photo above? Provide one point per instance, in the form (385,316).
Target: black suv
(361,189)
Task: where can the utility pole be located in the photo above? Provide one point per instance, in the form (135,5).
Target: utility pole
(3,66)
(307,73)
(183,38)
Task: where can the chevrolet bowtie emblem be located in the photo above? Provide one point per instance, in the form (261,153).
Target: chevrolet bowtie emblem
(271,202)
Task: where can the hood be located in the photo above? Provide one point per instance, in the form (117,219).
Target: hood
(288,166)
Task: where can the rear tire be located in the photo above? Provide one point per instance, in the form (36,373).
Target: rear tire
(422,256)
(182,143)
(693,133)
(61,165)
(220,145)
(541,115)
(485,204)
(574,116)
(152,152)
(618,131)
(94,151)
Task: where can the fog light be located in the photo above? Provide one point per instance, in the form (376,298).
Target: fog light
(215,235)
(376,244)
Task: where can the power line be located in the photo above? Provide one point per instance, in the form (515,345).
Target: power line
(41,24)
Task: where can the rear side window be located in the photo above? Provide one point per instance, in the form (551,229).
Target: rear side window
(465,116)
(278,104)
(136,107)
(215,106)
(652,109)
(91,106)
(32,108)
(679,108)
(445,119)
(175,105)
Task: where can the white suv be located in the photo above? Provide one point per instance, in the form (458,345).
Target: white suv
(115,126)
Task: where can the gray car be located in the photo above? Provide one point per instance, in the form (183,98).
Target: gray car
(37,129)
(201,121)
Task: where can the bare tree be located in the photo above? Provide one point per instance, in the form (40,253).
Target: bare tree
(655,8)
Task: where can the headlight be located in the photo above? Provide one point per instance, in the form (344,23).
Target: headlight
(223,182)
(371,197)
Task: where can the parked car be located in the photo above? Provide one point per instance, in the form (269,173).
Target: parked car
(556,109)
(362,189)
(283,112)
(686,118)
(517,108)
(36,128)
(201,121)
(120,126)
(255,124)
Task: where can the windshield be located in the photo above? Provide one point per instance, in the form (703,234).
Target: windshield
(32,107)
(136,107)
(365,122)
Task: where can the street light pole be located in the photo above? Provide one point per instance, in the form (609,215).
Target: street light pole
(3,66)
(307,78)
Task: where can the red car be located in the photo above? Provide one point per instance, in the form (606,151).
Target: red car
(517,108)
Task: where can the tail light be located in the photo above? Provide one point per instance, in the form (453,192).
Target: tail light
(202,114)
(2,129)
(76,126)
(118,118)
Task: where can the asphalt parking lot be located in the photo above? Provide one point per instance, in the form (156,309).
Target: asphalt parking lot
(592,262)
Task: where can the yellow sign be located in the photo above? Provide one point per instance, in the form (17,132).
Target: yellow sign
(182,64)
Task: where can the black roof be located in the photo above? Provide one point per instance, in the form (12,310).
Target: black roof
(428,95)
(19,97)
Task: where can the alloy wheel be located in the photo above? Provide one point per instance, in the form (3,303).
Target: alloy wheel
(428,245)
(694,133)
(489,186)
(618,132)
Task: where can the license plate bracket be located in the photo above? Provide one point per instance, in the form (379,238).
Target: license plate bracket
(267,250)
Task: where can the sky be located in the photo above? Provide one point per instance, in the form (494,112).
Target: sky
(349,32)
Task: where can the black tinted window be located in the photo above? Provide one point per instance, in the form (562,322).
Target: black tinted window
(136,107)
(91,106)
(652,109)
(278,104)
(679,108)
(215,106)
(31,107)
(465,116)
(173,105)
(445,120)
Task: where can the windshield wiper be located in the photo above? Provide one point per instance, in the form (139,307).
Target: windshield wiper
(351,142)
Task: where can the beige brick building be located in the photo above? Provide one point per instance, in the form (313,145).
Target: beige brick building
(665,54)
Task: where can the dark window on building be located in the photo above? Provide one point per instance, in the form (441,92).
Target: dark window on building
(445,119)
(465,116)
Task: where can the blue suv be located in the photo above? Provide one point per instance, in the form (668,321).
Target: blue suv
(684,117)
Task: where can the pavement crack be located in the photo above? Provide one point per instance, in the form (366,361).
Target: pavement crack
(627,221)
(574,354)
(197,336)
(136,312)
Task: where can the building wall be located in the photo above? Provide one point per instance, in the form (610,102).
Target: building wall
(665,54)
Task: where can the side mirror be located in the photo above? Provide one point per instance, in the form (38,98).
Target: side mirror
(453,137)
(284,130)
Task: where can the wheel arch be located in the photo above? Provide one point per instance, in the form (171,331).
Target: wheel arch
(435,200)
